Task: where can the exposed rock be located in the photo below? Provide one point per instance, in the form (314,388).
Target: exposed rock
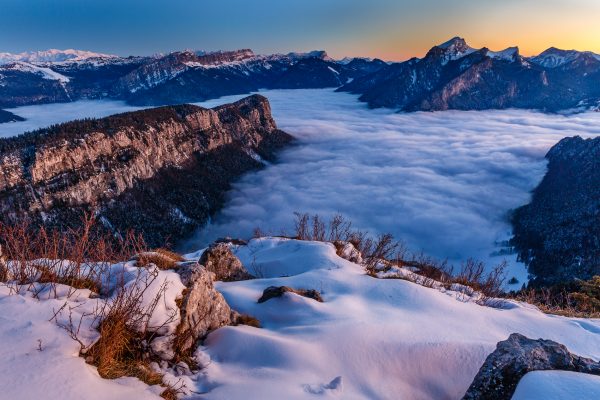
(161,172)
(219,260)
(558,233)
(513,358)
(203,308)
(278,291)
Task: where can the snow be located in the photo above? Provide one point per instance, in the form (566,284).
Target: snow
(52,56)
(558,385)
(46,73)
(554,58)
(38,357)
(508,54)
(371,338)
(333,70)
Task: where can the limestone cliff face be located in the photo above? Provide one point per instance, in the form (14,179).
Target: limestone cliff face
(95,163)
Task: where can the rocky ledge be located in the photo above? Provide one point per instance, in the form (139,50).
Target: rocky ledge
(161,172)
(513,358)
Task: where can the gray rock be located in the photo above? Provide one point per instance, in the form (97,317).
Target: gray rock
(203,308)
(513,358)
(219,259)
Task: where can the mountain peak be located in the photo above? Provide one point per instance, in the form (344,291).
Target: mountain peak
(453,49)
(509,54)
(456,41)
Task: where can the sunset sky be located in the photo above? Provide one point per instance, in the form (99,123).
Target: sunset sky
(389,29)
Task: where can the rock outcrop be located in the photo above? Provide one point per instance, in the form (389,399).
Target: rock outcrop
(203,308)
(558,233)
(513,358)
(219,260)
(161,171)
(278,291)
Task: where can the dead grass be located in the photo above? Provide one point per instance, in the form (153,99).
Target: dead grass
(245,319)
(164,259)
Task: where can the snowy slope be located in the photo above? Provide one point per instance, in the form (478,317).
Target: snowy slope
(51,55)
(558,385)
(370,339)
(44,72)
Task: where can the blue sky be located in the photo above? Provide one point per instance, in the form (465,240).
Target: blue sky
(391,29)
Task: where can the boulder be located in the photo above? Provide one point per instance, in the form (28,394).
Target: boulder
(219,259)
(513,358)
(203,308)
(278,291)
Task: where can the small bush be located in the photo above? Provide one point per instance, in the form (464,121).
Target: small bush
(164,259)
(245,319)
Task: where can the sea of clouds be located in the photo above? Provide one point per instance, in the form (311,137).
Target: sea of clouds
(443,182)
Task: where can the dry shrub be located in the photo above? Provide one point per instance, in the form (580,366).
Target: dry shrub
(164,259)
(74,257)
(245,319)
(579,299)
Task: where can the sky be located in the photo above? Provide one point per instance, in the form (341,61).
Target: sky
(388,29)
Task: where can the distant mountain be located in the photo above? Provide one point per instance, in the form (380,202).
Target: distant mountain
(178,77)
(554,58)
(558,233)
(161,172)
(454,75)
(52,55)
(6,116)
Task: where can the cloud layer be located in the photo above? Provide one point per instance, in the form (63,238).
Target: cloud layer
(443,182)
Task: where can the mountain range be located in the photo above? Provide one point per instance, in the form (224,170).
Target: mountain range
(452,75)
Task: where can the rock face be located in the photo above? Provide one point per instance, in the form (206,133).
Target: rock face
(161,171)
(6,116)
(513,358)
(455,76)
(203,308)
(558,233)
(219,260)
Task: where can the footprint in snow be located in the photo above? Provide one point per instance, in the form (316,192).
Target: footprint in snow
(333,387)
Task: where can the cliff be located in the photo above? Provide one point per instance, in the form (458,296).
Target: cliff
(558,233)
(160,171)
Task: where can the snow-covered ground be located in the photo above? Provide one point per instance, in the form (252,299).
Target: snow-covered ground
(558,385)
(40,360)
(370,338)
